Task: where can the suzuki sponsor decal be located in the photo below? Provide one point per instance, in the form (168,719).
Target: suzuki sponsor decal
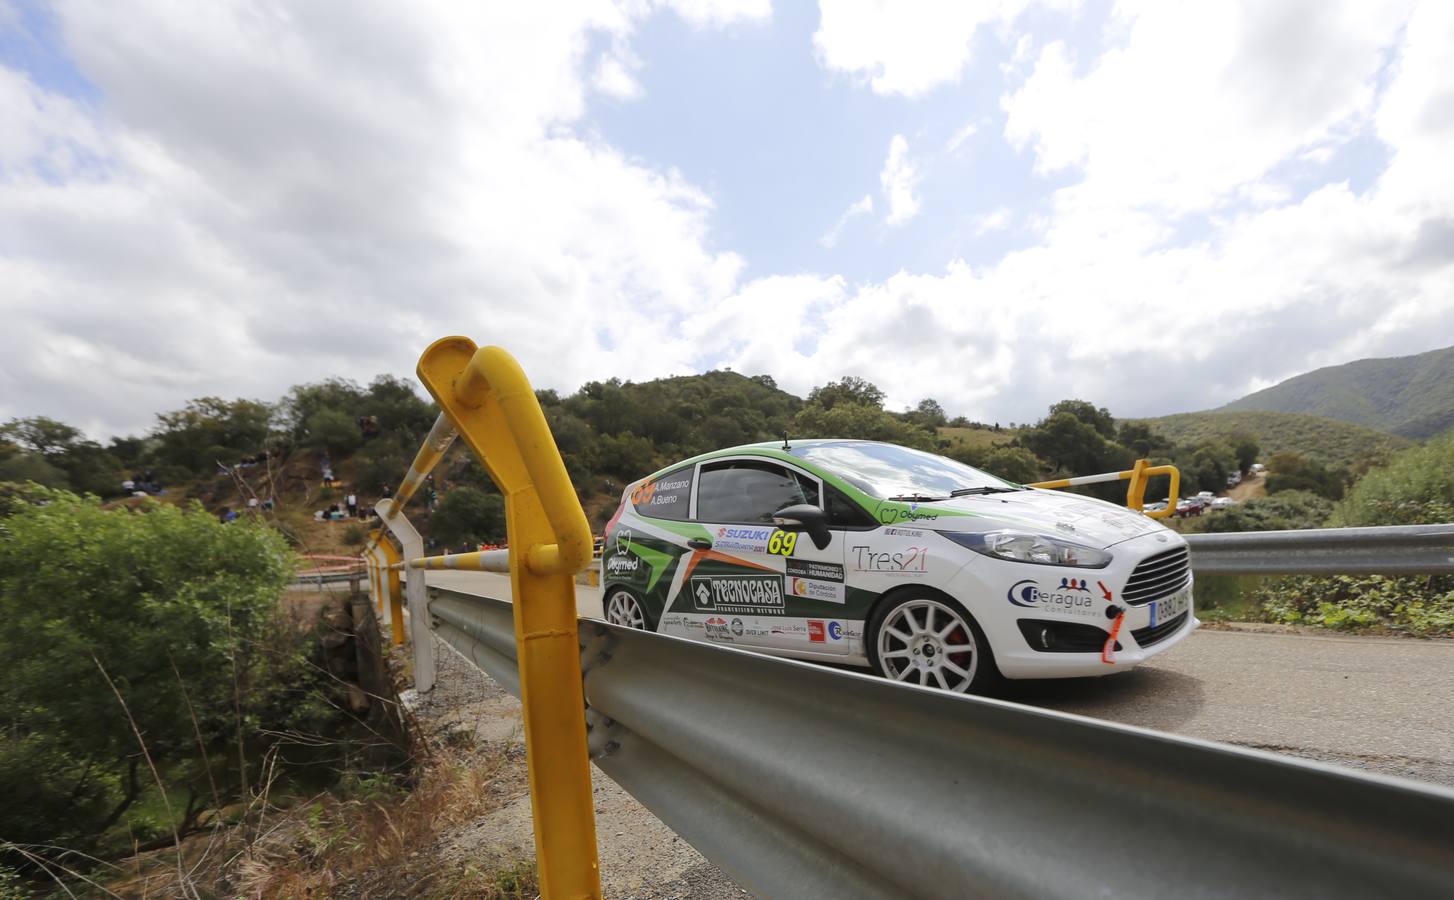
(910,562)
(1071,597)
(742,538)
(738,593)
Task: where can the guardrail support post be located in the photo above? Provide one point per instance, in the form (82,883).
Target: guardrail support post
(413,547)
(494,409)
(394,591)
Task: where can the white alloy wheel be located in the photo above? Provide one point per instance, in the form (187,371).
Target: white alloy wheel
(624,609)
(928,642)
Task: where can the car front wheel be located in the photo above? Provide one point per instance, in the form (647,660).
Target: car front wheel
(623,608)
(931,641)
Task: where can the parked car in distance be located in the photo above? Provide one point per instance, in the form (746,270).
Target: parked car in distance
(1207,496)
(1156,506)
(1234,479)
(1191,506)
(1223,503)
(1258,468)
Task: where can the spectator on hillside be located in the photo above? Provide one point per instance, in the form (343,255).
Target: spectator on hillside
(353,506)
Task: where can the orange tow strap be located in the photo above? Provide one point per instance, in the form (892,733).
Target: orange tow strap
(1108,652)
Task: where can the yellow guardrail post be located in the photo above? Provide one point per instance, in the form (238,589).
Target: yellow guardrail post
(1139,475)
(495,411)
(1136,489)
(395,591)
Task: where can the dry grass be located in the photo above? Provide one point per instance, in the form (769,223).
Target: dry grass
(371,838)
(976,437)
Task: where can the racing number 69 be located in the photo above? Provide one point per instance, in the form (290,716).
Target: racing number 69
(782,543)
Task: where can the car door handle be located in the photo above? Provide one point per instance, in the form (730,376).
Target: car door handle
(699,544)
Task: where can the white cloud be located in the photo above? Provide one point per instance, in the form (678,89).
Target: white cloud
(265,196)
(995,220)
(1199,99)
(615,73)
(717,13)
(898,180)
(960,136)
(860,207)
(907,47)
(257,198)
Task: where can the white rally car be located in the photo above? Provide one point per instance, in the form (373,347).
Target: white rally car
(919,567)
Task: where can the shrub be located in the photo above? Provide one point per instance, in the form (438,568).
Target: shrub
(176,610)
(1415,488)
(1417,605)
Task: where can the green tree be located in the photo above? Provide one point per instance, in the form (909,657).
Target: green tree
(332,430)
(1416,487)
(848,389)
(1246,448)
(1097,417)
(32,467)
(175,609)
(1295,472)
(1072,445)
(468,515)
(41,435)
(193,437)
(928,414)
(861,421)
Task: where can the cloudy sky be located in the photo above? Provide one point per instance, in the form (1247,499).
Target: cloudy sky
(1152,205)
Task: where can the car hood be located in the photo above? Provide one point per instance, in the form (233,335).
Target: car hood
(1084,520)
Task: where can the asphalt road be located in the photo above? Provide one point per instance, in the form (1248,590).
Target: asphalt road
(1382,704)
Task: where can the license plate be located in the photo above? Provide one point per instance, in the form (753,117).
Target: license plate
(1168,608)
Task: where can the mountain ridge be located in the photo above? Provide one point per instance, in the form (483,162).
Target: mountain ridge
(1410,396)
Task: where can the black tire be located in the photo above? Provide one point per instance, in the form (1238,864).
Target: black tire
(926,663)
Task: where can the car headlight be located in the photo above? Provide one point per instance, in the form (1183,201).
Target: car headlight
(1024,546)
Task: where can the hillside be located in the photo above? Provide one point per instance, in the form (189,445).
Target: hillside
(1327,440)
(1411,396)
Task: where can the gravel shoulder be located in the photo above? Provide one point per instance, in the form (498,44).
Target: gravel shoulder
(640,857)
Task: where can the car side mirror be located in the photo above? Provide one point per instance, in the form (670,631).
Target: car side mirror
(806,518)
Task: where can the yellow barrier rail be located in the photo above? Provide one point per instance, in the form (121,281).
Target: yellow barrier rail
(1138,475)
(492,406)
(441,436)
(394,592)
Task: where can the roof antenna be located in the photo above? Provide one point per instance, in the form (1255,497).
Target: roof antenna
(785,441)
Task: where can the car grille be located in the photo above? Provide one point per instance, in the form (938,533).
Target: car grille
(1156,633)
(1158,576)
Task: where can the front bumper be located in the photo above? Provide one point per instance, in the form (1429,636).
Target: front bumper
(1016,658)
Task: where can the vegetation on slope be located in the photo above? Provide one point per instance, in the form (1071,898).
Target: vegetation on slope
(1411,396)
(1326,440)
(150,677)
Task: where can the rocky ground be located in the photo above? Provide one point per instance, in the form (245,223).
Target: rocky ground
(640,857)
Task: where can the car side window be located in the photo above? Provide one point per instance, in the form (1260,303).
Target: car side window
(667,497)
(749,492)
(844,513)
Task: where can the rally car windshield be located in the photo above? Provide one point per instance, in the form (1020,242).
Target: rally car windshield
(887,471)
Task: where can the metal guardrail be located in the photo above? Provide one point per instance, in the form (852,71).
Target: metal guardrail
(804,781)
(1385,550)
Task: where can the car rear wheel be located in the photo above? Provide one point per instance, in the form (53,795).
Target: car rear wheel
(931,641)
(623,608)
